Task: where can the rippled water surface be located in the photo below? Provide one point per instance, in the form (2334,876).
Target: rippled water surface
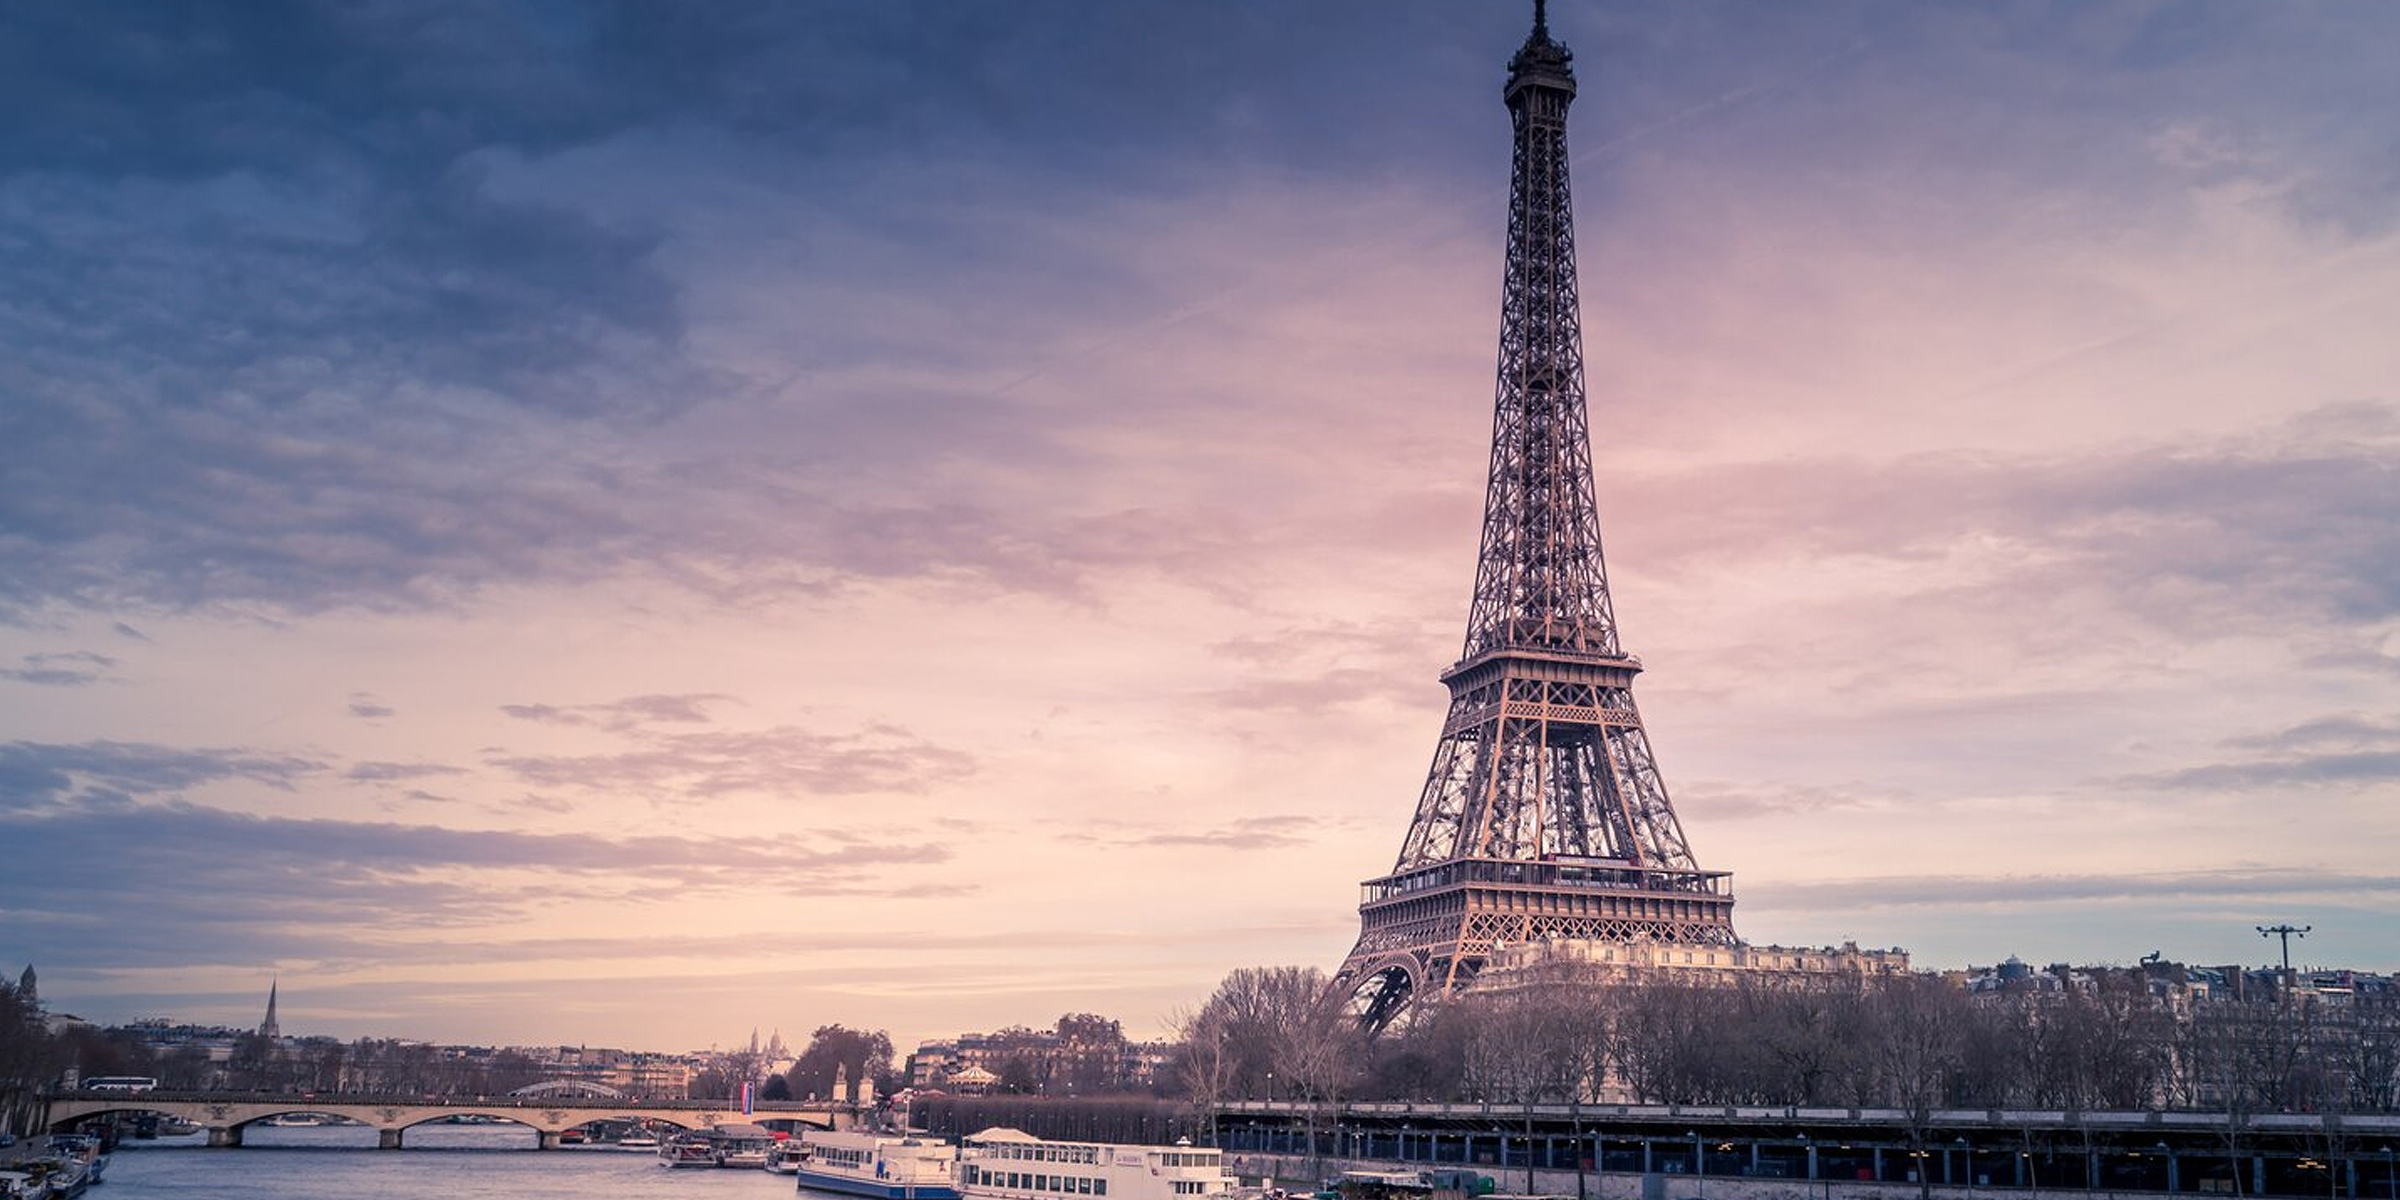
(440,1163)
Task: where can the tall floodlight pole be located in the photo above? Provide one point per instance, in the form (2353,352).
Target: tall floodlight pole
(2286,933)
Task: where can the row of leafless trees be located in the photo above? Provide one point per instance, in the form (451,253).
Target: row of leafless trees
(28,1055)
(323,1065)
(1913,1043)
(33,1058)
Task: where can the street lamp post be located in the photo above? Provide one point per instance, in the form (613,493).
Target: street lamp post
(1967,1160)
(1699,1167)
(1575,1111)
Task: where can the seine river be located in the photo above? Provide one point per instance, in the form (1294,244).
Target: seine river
(442,1162)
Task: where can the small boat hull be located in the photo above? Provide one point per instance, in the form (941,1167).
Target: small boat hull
(821,1182)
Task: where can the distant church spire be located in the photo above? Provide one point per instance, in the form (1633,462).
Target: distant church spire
(270,1029)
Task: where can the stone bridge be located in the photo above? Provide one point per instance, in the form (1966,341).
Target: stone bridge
(226,1115)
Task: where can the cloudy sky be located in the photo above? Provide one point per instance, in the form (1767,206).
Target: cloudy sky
(623,523)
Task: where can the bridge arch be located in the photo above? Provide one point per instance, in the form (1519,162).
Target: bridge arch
(582,1088)
(678,1120)
(131,1107)
(263,1114)
(791,1124)
(497,1116)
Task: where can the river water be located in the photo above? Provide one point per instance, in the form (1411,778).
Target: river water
(442,1162)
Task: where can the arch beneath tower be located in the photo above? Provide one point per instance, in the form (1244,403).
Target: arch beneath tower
(1382,993)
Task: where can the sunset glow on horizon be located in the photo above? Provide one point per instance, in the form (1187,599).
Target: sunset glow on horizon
(624,525)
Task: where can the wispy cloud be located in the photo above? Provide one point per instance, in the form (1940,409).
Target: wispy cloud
(1954,891)
(1716,800)
(633,712)
(282,887)
(785,760)
(2344,749)
(2346,730)
(2293,521)
(393,772)
(2357,767)
(38,775)
(1240,833)
(70,668)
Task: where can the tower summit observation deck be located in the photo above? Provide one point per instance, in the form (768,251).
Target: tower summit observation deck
(1544,815)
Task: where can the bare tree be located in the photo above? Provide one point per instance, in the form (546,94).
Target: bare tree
(1279,1032)
(1204,1060)
(2373,1062)
(1923,1021)
(1522,1050)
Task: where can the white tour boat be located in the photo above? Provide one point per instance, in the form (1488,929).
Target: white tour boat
(1009,1164)
(879,1164)
(788,1156)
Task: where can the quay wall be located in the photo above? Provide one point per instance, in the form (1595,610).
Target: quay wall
(1300,1172)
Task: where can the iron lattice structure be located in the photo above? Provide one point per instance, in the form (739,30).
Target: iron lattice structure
(1544,815)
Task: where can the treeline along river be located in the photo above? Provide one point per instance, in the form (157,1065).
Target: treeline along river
(444,1162)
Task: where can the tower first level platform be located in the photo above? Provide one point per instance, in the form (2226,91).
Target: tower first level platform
(1440,923)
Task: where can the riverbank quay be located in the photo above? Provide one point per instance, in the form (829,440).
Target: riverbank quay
(1825,1153)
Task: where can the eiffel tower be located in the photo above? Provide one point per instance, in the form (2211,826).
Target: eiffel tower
(1544,815)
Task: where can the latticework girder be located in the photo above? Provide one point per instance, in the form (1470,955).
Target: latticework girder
(1543,814)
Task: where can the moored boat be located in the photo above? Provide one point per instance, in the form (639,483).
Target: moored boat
(686,1150)
(18,1185)
(739,1145)
(58,1178)
(880,1165)
(85,1148)
(1009,1164)
(787,1157)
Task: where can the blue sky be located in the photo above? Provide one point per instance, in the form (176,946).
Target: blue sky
(609,524)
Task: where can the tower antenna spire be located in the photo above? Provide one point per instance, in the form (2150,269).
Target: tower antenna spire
(1541,19)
